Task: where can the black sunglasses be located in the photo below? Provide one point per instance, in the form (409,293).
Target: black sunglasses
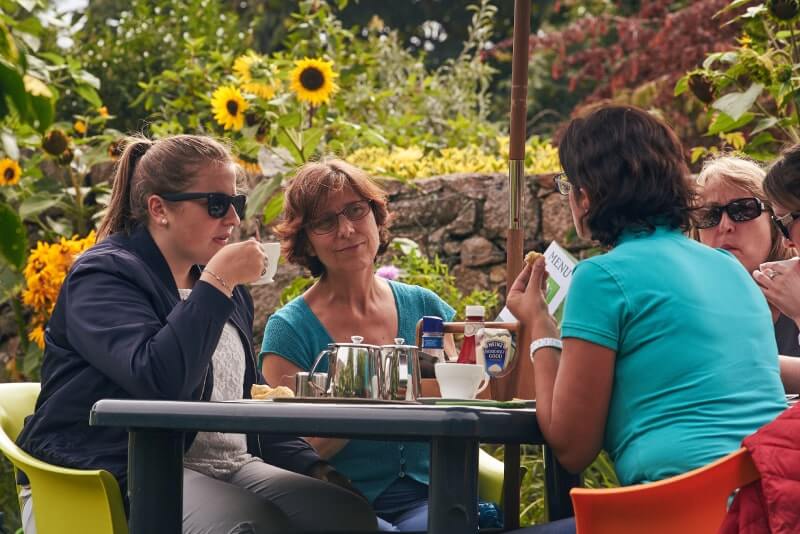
(739,210)
(783,223)
(218,203)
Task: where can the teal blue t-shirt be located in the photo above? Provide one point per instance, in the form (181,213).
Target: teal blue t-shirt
(696,361)
(295,333)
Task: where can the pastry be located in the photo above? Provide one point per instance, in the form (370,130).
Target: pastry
(262,391)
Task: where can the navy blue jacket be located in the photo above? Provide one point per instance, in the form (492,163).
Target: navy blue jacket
(120,330)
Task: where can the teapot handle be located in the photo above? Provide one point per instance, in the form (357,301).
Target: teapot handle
(323,391)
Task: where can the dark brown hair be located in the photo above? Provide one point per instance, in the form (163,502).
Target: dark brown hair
(782,184)
(149,167)
(305,196)
(631,165)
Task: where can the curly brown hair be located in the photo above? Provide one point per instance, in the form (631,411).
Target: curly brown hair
(632,167)
(306,196)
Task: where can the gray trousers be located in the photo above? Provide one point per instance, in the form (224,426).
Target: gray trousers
(261,498)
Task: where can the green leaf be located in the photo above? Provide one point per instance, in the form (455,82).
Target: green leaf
(273,208)
(737,104)
(45,111)
(33,361)
(86,78)
(309,140)
(13,240)
(287,140)
(14,89)
(290,120)
(724,123)
(89,94)
(681,86)
(260,194)
(764,124)
(10,282)
(36,204)
(9,142)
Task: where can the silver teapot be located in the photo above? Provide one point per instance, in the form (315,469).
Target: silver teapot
(354,370)
(401,371)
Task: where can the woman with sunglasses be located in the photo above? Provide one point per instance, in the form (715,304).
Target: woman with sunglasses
(665,357)
(157,310)
(335,224)
(735,215)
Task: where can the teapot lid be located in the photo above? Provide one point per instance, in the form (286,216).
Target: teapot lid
(356,341)
(399,343)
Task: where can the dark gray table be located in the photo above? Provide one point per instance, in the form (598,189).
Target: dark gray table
(155,461)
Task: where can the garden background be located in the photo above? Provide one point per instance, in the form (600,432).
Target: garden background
(416,92)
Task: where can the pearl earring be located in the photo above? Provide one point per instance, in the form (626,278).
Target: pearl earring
(163,221)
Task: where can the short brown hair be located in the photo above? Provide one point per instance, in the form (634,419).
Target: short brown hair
(631,165)
(782,184)
(307,193)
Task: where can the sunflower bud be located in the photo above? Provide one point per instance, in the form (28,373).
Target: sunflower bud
(261,133)
(251,119)
(702,87)
(66,157)
(55,142)
(784,74)
(784,10)
(115,149)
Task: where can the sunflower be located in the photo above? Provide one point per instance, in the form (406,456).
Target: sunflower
(312,80)
(9,172)
(79,127)
(103,111)
(250,66)
(783,10)
(229,106)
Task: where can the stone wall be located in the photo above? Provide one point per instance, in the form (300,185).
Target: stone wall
(463,219)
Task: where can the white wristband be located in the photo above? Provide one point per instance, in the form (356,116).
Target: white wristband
(537,344)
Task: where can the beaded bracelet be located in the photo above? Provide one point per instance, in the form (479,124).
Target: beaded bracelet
(219,279)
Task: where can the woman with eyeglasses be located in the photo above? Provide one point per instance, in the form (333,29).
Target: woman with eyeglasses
(780,280)
(335,223)
(665,357)
(157,310)
(735,215)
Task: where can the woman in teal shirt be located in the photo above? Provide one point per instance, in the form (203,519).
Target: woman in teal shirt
(668,355)
(335,223)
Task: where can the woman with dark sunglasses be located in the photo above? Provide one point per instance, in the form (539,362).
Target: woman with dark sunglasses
(735,215)
(665,356)
(335,223)
(157,309)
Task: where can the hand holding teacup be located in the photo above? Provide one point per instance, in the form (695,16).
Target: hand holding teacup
(780,283)
(242,263)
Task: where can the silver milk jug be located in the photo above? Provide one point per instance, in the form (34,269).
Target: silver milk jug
(354,370)
(401,371)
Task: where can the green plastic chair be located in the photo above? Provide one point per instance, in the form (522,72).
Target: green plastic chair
(64,500)
(491,473)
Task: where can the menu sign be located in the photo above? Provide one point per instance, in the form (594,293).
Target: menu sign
(560,265)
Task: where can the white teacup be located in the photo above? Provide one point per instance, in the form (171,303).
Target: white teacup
(273,252)
(460,380)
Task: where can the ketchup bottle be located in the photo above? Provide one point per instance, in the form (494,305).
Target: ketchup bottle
(473,324)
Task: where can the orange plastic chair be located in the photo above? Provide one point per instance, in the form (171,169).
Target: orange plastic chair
(691,503)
